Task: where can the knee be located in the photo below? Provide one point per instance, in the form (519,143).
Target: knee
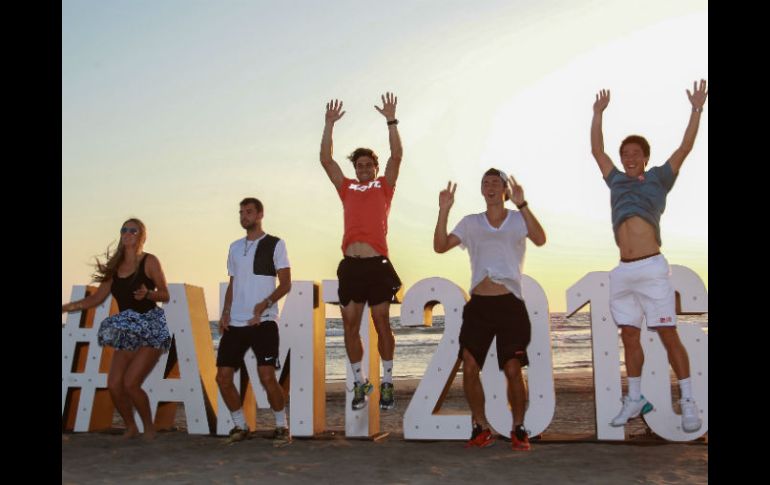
(224,380)
(132,385)
(116,386)
(512,371)
(352,329)
(267,378)
(470,367)
(631,337)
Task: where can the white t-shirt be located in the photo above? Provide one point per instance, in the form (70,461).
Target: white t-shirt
(249,288)
(497,253)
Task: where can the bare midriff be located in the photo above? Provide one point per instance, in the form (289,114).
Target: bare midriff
(636,238)
(488,287)
(359,249)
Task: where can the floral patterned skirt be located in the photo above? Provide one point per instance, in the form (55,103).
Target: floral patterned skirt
(129,330)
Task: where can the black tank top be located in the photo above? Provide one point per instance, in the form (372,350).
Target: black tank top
(123,290)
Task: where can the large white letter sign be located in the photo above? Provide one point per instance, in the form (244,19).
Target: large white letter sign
(302,350)
(593,288)
(302,318)
(656,387)
(193,375)
(86,404)
(423,419)
(363,422)
(85,365)
(539,372)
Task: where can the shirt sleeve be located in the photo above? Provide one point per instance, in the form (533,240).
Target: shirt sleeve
(280,256)
(343,190)
(389,189)
(520,225)
(665,174)
(461,231)
(230,263)
(613,173)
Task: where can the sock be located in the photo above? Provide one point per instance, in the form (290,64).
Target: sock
(635,388)
(387,371)
(238,418)
(280,418)
(358,373)
(685,388)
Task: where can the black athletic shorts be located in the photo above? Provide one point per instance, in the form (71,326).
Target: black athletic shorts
(372,280)
(504,317)
(262,338)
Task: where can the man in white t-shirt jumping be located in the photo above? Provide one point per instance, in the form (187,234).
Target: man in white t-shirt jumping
(496,242)
(249,318)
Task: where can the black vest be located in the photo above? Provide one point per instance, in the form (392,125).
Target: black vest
(263,256)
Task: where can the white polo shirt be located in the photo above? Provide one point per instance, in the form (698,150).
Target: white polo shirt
(497,253)
(249,288)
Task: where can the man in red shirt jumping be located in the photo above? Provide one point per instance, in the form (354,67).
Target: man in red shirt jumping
(365,274)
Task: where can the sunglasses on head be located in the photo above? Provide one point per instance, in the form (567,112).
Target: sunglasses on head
(131,230)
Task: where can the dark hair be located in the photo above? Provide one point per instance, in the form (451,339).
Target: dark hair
(105,271)
(639,140)
(363,152)
(494,171)
(257,204)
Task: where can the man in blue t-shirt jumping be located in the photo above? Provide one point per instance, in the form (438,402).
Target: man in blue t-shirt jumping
(640,286)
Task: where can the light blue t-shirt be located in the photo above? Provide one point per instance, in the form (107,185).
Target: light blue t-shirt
(646,198)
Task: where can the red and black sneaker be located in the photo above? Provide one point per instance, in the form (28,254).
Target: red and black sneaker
(481,438)
(520,439)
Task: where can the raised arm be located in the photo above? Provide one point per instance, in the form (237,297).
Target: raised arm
(441,241)
(697,100)
(91,300)
(333,170)
(597,138)
(388,110)
(535,231)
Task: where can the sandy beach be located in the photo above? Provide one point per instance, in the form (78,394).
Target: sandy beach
(567,452)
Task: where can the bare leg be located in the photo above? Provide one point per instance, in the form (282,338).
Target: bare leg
(677,354)
(140,367)
(274,391)
(633,350)
(351,321)
(517,390)
(474,392)
(386,342)
(115,383)
(227,388)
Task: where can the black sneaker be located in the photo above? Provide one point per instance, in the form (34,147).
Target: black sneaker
(238,434)
(281,437)
(387,401)
(361,394)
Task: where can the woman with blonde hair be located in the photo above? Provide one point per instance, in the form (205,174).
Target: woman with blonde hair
(138,333)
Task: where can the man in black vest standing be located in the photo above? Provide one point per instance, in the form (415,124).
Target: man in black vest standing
(249,317)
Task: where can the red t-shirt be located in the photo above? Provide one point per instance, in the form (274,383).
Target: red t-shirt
(366,208)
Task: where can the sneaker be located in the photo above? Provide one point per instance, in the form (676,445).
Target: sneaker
(631,409)
(520,439)
(237,434)
(690,416)
(387,401)
(361,394)
(480,437)
(281,437)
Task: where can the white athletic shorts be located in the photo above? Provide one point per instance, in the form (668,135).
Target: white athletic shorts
(643,289)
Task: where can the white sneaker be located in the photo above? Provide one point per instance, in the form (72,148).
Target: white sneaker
(690,416)
(631,409)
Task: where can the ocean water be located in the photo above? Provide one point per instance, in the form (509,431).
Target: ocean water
(570,342)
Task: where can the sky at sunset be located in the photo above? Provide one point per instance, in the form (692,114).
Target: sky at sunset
(174,111)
